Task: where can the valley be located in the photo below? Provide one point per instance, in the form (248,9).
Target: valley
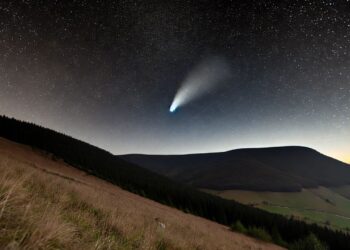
(324,206)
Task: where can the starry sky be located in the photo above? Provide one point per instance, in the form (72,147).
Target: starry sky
(106,72)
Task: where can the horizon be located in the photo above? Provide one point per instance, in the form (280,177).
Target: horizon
(190,153)
(178,78)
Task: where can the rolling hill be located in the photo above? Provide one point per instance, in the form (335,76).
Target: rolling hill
(47,204)
(133,178)
(260,169)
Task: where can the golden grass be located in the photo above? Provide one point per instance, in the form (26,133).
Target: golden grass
(46,204)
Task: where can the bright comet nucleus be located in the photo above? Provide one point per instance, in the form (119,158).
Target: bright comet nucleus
(172,108)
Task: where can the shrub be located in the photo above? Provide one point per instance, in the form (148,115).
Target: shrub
(259,233)
(277,238)
(311,242)
(256,232)
(238,227)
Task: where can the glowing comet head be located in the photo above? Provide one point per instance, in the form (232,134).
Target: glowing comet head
(200,81)
(172,108)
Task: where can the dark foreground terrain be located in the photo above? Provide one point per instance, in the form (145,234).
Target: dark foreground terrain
(104,165)
(47,204)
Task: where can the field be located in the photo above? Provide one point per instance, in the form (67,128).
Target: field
(324,206)
(46,204)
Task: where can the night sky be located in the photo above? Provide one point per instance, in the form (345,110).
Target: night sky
(107,72)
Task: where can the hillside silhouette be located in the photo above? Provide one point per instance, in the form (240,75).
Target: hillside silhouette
(260,169)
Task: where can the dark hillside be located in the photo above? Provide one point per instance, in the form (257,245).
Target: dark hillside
(261,169)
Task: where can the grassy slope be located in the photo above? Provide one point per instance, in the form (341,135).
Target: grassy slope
(321,205)
(49,205)
(344,191)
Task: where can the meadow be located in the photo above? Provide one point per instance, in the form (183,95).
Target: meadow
(325,206)
(46,204)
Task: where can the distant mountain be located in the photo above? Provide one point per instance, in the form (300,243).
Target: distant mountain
(261,169)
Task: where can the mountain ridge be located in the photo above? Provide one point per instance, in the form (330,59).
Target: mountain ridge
(285,168)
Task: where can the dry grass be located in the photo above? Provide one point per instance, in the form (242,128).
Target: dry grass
(46,204)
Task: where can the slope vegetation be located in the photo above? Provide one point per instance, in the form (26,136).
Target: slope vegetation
(46,204)
(325,206)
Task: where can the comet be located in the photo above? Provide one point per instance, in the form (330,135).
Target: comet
(201,80)
(172,108)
